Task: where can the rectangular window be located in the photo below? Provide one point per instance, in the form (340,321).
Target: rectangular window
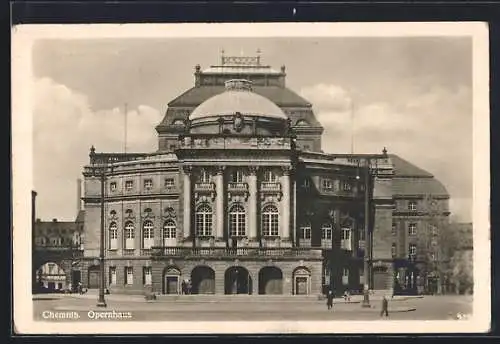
(113,239)
(346,186)
(112,275)
(169,183)
(345,239)
(326,232)
(237,176)
(327,184)
(305,232)
(146,275)
(412,205)
(129,275)
(129,185)
(412,251)
(204,176)
(112,186)
(345,276)
(393,250)
(412,229)
(148,184)
(270,176)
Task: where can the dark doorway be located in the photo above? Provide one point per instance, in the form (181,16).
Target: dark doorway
(94,277)
(171,284)
(270,281)
(301,285)
(203,280)
(237,280)
(76,277)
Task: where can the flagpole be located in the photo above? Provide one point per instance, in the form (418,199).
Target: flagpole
(125,129)
(352,125)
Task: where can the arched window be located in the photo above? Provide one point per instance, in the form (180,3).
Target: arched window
(237,220)
(305,231)
(169,232)
(204,220)
(326,231)
(129,235)
(270,221)
(147,234)
(113,236)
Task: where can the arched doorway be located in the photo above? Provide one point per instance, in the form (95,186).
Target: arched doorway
(93,277)
(301,281)
(270,280)
(171,280)
(237,280)
(203,280)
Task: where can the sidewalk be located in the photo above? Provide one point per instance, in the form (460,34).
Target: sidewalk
(203,298)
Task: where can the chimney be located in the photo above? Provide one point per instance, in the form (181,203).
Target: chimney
(54,220)
(78,196)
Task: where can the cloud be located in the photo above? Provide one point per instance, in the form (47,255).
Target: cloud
(327,97)
(65,128)
(431,128)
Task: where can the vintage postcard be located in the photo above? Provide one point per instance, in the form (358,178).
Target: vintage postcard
(251,178)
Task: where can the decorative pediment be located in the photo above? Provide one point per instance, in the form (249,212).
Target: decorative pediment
(148,214)
(202,197)
(169,213)
(271,197)
(112,216)
(129,215)
(238,198)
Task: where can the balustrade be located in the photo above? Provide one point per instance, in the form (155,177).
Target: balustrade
(270,186)
(237,187)
(236,252)
(204,186)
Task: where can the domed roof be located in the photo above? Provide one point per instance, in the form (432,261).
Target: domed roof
(238,97)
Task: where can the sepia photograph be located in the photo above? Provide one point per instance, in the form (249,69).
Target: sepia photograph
(251,178)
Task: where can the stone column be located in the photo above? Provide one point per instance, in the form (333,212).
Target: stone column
(219,207)
(285,206)
(187,202)
(252,207)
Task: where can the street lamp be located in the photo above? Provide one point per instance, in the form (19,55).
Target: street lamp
(99,168)
(367,251)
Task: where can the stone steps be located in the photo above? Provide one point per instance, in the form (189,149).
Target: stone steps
(237,298)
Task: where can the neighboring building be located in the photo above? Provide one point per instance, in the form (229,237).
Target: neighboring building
(57,247)
(240,199)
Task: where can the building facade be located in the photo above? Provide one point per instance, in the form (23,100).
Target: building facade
(239,198)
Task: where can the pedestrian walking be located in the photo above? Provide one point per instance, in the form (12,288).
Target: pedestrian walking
(385,307)
(329,300)
(184,287)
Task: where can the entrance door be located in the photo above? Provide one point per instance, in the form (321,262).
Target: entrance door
(76,277)
(171,284)
(301,285)
(93,279)
(379,280)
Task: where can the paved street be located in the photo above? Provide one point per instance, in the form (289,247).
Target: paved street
(255,309)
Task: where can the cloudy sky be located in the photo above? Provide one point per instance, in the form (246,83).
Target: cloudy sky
(411,95)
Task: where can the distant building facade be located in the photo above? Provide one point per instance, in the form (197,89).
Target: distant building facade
(240,199)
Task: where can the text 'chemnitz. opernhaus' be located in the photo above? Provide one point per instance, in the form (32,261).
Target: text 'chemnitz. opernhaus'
(239,198)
